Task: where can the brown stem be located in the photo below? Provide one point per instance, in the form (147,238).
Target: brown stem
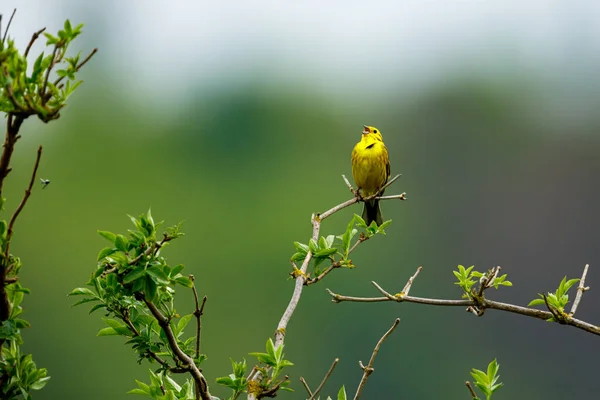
(473,394)
(198,314)
(34,37)
(199,379)
(13,219)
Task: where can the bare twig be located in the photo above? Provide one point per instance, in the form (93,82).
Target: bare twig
(580,289)
(8,26)
(401,196)
(483,303)
(310,393)
(198,314)
(368,370)
(327,375)
(410,282)
(473,394)
(349,185)
(199,379)
(34,37)
(13,219)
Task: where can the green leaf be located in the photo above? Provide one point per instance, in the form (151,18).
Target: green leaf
(81,291)
(492,369)
(184,281)
(359,221)
(158,275)
(176,269)
(322,243)
(271,348)
(264,358)
(312,245)
(536,302)
(121,243)
(107,332)
(111,237)
(342,394)
(151,289)
(3,229)
(182,324)
(107,251)
(569,284)
(135,274)
(325,252)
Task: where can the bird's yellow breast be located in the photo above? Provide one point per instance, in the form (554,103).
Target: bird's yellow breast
(370,165)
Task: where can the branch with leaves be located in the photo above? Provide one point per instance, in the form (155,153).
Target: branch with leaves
(331,248)
(135,286)
(475,283)
(42,92)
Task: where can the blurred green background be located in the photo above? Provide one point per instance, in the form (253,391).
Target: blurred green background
(239,118)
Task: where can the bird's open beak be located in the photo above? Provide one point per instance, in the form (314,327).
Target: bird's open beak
(366,131)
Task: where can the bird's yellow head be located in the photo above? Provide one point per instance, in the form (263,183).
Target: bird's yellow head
(370,132)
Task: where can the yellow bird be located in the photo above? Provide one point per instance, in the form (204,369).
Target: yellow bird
(371,170)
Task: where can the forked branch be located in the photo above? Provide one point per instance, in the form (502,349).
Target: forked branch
(479,304)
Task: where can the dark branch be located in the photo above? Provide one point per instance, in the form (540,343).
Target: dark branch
(34,37)
(199,379)
(8,26)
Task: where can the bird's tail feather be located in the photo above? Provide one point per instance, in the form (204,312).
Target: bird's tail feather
(371,212)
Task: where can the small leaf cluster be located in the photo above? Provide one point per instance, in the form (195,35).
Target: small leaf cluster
(24,374)
(237,380)
(337,249)
(162,387)
(468,278)
(131,273)
(487,381)
(39,92)
(272,363)
(557,300)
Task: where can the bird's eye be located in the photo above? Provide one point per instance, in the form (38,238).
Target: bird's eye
(375,131)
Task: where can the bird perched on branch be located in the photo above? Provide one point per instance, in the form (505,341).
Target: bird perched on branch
(370,170)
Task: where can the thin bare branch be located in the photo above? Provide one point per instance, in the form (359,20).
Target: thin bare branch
(349,184)
(401,196)
(385,293)
(473,394)
(34,37)
(198,314)
(368,370)
(13,219)
(327,375)
(580,289)
(410,282)
(310,393)
(8,26)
